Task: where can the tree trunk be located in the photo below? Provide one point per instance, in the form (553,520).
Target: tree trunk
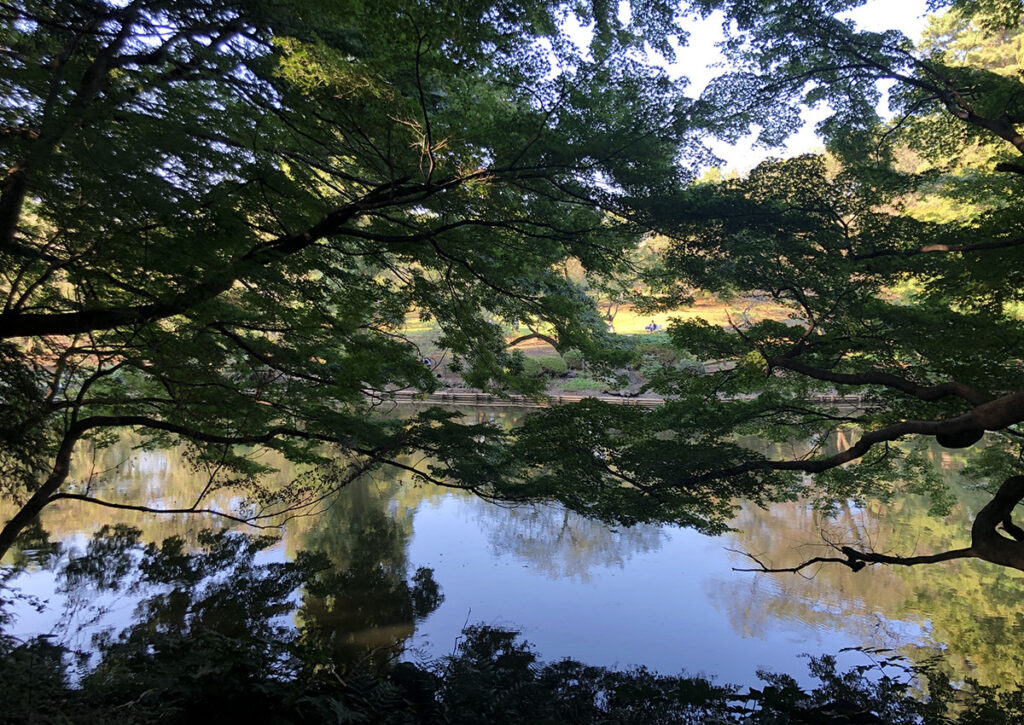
(38,501)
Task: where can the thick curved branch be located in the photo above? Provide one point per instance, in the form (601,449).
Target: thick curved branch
(993,415)
(932,81)
(921,392)
(1010,167)
(395,194)
(533,336)
(989,543)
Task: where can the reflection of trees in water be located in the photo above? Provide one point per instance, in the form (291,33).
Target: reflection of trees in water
(207,647)
(554,541)
(829,598)
(366,600)
(557,542)
(560,543)
(124,473)
(366,604)
(177,591)
(369,599)
(971,610)
(209,626)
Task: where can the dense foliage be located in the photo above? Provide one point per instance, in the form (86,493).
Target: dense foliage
(215,217)
(897,254)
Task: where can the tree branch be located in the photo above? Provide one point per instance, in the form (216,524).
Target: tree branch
(395,194)
(987,543)
(857,560)
(993,415)
(943,248)
(533,336)
(247,520)
(921,392)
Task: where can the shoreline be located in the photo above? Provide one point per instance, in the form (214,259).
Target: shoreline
(475,398)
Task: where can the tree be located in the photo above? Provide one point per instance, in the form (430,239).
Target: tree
(914,315)
(215,214)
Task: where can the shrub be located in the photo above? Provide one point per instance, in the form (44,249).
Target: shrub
(532,366)
(553,364)
(574,359)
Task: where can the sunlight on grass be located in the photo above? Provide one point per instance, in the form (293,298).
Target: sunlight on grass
(578,384)
(630,322)
(627,321)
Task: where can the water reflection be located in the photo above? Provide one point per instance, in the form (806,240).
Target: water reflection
(402,559)
(561,544)
(203,646)
(968,610)
(366,603)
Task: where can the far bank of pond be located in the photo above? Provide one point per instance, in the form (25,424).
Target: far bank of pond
(658,596)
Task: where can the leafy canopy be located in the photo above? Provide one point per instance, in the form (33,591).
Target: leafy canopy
(907,304)
(215,216)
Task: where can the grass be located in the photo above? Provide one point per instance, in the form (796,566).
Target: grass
(582,383)
(630,322)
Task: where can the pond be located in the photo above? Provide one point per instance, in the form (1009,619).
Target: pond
(413,564)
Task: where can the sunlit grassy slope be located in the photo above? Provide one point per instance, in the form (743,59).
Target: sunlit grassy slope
(627,321)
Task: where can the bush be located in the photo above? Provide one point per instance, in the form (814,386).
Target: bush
(694,366)
(532,367)
(656,349)
(553,364)
(574,359)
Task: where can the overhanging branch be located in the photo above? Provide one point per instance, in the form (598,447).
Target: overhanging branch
(888,380)
(987,542)
(392,194)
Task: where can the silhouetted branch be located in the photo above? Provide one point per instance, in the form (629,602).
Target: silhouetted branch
(534,336)
(857,560)
(987,542)
(761,566)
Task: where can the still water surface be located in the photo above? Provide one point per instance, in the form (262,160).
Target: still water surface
(662,597)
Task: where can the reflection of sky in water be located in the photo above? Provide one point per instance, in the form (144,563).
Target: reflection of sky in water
(658,607)
(75,620)
(665,598)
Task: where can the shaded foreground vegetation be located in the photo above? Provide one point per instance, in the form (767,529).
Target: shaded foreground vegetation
(208,647)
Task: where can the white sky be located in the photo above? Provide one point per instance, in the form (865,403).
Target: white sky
(695,61)
(700,61)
